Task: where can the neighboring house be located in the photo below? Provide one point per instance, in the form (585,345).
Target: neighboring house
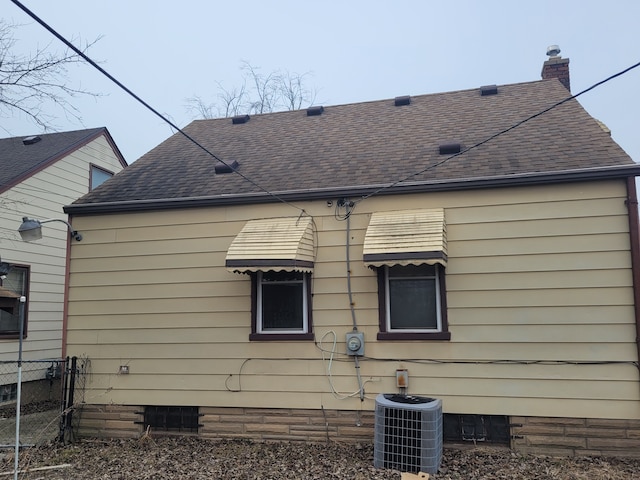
(223,297)
(38,176)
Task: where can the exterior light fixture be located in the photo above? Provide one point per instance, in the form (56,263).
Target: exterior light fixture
(31,229)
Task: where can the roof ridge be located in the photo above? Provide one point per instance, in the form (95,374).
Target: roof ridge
(368,102)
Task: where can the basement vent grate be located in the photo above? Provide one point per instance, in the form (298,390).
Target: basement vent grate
(477,428)
(226,167)
(449,148)
(400,101)
(488,90)
(240,119)
(171,419)
(315,111)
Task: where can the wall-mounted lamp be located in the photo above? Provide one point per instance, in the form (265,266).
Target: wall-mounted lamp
(31,229)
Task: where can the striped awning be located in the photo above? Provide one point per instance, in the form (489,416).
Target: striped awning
(278,244)
(407,237)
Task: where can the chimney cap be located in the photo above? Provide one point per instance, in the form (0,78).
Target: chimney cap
(553,50)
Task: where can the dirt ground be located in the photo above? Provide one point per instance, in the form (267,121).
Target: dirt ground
(196,458)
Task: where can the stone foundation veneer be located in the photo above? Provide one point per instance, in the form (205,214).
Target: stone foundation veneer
(576,436)
(118,421)
(537,435)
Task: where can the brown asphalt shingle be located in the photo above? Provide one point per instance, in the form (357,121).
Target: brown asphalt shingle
(373,143)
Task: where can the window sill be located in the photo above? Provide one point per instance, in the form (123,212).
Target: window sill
(414,336)
(281,336)
(11,336)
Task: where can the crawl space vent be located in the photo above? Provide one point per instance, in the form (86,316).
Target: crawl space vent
(315,111)
(240,119)
(449,148)
(226,167)
(488,90)
(400,101)
(408,433)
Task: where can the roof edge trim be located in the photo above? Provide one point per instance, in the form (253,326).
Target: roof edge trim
(599,173)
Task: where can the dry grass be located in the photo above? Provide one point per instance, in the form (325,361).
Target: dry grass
(196,458)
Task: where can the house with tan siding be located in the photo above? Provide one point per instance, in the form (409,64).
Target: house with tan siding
(270,276)
(40,174)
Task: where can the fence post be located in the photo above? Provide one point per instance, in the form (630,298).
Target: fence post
(63,399)
(68,390)
(16,458)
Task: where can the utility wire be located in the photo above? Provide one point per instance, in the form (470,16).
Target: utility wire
(145,104)
(500,133)
(260,187)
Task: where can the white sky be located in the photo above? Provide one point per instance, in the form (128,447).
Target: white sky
(167,52)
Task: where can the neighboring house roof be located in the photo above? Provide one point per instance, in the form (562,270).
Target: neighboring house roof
(22,157)
(356,148)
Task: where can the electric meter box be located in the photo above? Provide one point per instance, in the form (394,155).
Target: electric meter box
(355,344)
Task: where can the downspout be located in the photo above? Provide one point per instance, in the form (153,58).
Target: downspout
(65,302)
(634,236)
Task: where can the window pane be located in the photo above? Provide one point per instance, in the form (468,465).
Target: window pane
(282,301)
(412,271)
(9,322)
(99,176)
(413,303)
(16,281)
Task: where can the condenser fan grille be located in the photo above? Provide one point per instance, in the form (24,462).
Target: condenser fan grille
(408,433)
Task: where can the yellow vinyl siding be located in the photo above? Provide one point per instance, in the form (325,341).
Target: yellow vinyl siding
(536,274)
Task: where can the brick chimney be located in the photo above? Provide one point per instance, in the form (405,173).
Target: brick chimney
(556,67)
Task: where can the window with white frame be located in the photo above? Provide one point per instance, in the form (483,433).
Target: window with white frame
(412,302)
(282,307)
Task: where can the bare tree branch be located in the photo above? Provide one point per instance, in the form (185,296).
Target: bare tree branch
(294,92)
(258,93)
(30,83)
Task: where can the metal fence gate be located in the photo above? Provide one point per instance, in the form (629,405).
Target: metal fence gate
(46,401)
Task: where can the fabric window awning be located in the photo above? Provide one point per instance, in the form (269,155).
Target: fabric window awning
(407,237)
(278,244)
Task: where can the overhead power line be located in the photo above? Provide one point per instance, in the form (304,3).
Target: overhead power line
(500,133)
(260,187)
(145,104)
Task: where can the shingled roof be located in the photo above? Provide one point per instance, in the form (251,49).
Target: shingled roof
(21,157)
(354,149)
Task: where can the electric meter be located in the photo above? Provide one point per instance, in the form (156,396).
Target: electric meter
(355,343)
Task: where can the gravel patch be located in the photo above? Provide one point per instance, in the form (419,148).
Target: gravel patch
(196,458)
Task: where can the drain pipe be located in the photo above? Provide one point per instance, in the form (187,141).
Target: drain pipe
(634,236)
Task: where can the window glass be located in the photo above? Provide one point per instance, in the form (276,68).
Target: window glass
(282,304)
(99,176)
(8,392)
(412,298)
(17,280)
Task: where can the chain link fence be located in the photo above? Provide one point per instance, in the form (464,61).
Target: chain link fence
(46,401)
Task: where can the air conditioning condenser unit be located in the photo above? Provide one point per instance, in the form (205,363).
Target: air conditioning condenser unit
(408,433)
